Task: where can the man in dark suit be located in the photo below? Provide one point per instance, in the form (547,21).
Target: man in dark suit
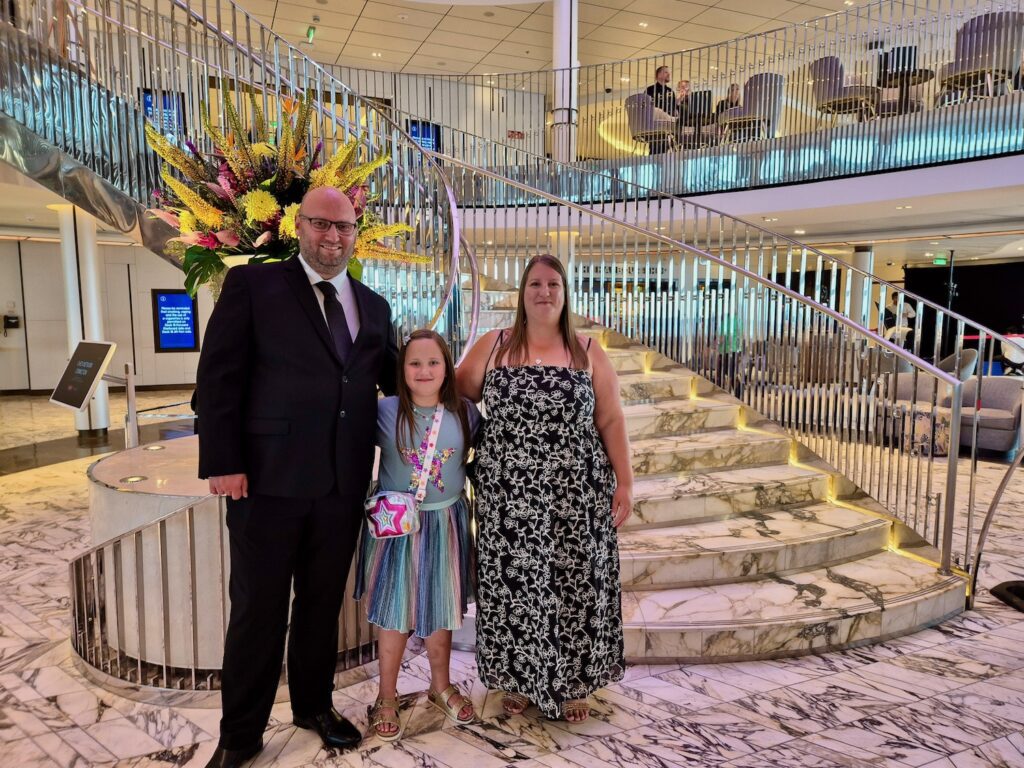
(661,91)
(287,395)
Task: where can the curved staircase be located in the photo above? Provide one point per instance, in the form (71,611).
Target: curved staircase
(743,544)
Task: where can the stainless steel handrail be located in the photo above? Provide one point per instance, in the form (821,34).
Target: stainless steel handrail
(990,515)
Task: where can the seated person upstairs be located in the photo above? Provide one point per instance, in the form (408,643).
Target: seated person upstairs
(683,106)
(661,92)
(730,101)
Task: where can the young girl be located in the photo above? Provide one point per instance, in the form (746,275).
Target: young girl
(420,582)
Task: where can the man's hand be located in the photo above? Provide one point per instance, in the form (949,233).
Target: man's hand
(235,486)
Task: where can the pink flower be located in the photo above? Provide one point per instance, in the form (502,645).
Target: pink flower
(202,239)
(357,195)
(218,190)
(228,238)
(165,216)
(262,239)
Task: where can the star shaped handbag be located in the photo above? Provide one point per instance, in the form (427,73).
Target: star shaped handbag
(390,514)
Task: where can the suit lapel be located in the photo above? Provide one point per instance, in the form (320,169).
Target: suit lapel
(303,290)
(358,290)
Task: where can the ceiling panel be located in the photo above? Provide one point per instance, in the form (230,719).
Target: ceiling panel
(595,14)
(531,37)
(768,8)
(622,37)
(295,31)
(383,42)
(452,53)
(608,51)
(680,11)
(733,22)
(470,27)
(440,37)
(705,35)
(387,59)
(414,17)
(514,63)
(528,53)
(510,17)
(387,28)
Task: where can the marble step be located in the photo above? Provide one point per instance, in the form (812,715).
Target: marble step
(708,450)
(675,383)
(665,500)
(748,546)
(824,609)
(679,417)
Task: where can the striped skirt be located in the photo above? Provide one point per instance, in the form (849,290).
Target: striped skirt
(418,583)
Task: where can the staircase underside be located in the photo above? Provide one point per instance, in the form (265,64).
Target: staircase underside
(738,547)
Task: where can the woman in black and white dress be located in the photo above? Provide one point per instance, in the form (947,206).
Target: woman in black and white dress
(553,481)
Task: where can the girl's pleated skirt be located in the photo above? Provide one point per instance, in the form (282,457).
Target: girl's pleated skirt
(419,583)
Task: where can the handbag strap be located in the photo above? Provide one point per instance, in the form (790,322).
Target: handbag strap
(428,457)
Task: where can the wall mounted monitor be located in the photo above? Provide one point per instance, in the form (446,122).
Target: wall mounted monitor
(83,373)
(175,320)
(425,133)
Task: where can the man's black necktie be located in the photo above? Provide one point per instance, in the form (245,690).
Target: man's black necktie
(336,319)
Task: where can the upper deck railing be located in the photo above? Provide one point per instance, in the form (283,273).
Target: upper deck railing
(883,86)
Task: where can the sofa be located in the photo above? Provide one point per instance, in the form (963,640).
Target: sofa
(998,413)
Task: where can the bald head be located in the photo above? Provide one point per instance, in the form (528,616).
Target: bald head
(328,251)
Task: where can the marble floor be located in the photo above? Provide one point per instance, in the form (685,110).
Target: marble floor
(950,696)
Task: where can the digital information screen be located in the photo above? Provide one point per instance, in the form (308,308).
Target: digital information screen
(425,133)
(83,374)
(171,117)
(175,321)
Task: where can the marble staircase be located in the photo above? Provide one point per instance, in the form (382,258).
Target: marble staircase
(742,544)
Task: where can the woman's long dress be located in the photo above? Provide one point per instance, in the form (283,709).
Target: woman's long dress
(549,612)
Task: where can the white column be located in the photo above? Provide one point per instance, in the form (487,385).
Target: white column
(76,285)
(860,309)
(562,244)
(565,90)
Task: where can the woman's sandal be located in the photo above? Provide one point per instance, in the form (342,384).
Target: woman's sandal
(576,710)
(385,712)
(514,703)
(452,701)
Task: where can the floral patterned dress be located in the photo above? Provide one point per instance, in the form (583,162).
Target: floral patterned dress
(549,611)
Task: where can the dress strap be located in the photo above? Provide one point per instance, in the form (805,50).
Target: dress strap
(497,341)
(590,340)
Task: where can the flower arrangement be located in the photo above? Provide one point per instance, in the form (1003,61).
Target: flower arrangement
(242,200)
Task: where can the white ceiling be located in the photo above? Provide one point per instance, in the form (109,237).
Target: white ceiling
(404,36)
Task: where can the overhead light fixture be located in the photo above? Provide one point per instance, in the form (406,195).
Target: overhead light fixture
(403,17)
(929,254)
(799,231)
(934,242)
(940,261)
(904,207)
(847,2)
(442,63)
(489,242)
(769,219)
(624,79)
(310,34)
(376,54)
(488,14)
(643,24)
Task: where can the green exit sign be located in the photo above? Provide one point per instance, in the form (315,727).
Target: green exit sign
(940,261)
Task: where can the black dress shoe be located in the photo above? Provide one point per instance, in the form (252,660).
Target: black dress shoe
(334,729)
(233,758)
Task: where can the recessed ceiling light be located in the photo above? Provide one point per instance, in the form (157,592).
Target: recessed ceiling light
(799,231)
(489,242)
(624,79)
(935,242)
(847,2)
(321,2)
(769,218)
(401,16)
(442,63)
(643,24)
(1021,248)
(713,66)
(488,14)
(376,54)
(490,82)
(904,207)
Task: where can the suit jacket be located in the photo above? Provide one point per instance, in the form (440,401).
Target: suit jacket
(664,97)
(274,399)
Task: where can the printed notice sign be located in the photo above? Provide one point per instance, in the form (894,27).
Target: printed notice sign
(83,373)
(175,325)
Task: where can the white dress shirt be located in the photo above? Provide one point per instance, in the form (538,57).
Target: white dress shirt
(346,296)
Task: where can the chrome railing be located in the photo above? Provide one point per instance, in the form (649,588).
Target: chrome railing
(117,62)
(881,86)
(150,607)
(793,333)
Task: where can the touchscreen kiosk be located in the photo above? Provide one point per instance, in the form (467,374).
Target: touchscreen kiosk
(83,373)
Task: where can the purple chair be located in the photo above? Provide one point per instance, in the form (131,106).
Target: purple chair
(758,114)
(835,99)
(986,54)
(644,127)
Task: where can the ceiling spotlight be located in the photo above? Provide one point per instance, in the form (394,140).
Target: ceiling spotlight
(847,2)
(643,25)
(488,14)
(934,242)
(489,242)
(929,254)
(799,231)
(769,219)
(890,263)
(376,54)
(624,79)
(904,207)
(490,82)
(401,16)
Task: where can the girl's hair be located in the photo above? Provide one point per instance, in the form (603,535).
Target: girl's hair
(448,396)
(514,345)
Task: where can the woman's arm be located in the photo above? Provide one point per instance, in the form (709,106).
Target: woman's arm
(469,376)
(611,424)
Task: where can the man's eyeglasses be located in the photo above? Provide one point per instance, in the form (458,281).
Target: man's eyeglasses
(322,225)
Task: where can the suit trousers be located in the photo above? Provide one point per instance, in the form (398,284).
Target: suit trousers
(281,545)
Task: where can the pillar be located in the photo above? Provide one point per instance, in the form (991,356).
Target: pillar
(82,303)
(562,243)
(565,90)
(860,307)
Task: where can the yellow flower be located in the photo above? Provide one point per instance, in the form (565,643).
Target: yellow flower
(206,213)
(259,205)
(287,226)
(187,222)
(263,151)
